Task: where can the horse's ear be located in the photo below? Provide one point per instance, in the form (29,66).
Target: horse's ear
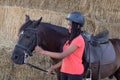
(38,22)
(40,19)
(27,18)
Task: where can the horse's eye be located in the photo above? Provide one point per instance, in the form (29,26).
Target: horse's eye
(27,36)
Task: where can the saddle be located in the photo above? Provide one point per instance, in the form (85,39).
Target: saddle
(98,48)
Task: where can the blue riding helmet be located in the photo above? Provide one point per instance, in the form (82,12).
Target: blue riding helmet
(76,17)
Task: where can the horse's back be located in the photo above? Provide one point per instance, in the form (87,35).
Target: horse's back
(116,45)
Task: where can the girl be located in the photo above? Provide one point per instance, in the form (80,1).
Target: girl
(71,64)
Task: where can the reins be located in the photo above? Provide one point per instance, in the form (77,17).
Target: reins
(33,66)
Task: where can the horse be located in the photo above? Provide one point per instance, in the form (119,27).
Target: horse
(52,38)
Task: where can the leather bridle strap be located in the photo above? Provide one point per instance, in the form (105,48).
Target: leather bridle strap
(24,48)
(33,66)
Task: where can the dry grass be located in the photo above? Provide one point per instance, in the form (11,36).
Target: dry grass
(11,71)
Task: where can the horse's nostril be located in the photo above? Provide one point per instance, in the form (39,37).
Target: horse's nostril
(15,57)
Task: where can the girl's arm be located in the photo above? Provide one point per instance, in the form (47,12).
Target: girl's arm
(54,67)
(56,55)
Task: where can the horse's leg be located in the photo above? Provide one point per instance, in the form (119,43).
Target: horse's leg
(117,74)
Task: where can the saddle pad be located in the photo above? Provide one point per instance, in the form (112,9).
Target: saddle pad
(104,53)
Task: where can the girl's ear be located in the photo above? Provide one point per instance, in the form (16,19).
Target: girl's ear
(79,27)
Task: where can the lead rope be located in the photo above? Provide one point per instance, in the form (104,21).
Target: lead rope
(33,66)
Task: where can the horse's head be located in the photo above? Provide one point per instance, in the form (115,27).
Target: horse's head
(26,42)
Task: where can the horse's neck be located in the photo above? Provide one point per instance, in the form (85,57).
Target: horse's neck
(51,39)
(59,29)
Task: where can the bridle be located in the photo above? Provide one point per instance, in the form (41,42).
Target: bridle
(28,52)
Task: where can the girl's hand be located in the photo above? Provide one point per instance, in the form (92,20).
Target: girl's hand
(38,49)
(50,70)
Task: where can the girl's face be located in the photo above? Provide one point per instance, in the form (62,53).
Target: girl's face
(69,23)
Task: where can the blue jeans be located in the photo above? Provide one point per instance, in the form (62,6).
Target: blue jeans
(66,76)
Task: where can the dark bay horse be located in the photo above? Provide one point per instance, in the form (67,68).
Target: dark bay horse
(51,37)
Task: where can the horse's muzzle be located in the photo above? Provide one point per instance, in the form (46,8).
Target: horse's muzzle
(17,59)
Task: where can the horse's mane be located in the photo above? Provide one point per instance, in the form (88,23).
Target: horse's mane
(25,25)
(55,27)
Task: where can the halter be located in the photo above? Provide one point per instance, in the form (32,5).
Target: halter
(27,51)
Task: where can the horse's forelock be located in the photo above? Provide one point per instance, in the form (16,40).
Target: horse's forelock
(25,25)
